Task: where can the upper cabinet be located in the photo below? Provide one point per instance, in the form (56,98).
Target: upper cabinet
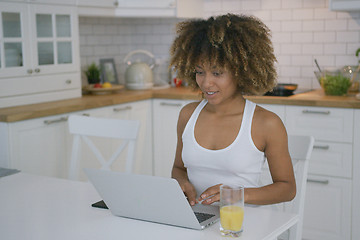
(141,8)
(96,7)
(55,2)
(38,44)
(344,5)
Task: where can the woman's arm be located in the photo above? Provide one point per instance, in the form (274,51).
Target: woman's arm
(270,135)
(179,171)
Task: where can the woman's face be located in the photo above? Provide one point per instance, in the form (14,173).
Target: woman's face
(217,84)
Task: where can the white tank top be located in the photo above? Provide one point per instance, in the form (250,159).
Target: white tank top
(238,164)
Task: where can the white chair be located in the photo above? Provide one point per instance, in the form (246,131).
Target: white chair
(82,127)
(300,149)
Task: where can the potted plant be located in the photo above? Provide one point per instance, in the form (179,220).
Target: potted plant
(93,73)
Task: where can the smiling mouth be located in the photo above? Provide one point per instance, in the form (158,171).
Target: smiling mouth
(210,93)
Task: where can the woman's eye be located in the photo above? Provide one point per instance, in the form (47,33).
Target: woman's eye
(198,72)
(216,74)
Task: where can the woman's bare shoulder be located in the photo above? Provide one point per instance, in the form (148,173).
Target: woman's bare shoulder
(185,115)
(187,111)
(267,119)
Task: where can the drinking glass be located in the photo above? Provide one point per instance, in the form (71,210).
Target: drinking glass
(231,210)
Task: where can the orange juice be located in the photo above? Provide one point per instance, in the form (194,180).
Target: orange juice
(231,217)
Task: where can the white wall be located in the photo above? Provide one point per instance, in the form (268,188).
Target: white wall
(302,31)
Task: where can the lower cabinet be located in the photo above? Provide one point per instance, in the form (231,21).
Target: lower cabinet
(165,117)
(37,146)
(329,204)
(327,208)
(43,145)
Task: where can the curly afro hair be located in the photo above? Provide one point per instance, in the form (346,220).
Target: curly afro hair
(238,43)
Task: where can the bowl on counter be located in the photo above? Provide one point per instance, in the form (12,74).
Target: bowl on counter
(334,82)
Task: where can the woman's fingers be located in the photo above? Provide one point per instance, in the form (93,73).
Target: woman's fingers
(210,195)
(190,193)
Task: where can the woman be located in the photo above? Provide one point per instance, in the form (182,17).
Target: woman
(224,139)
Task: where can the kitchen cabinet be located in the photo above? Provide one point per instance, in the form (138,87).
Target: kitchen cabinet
(356,178)
(63,2)
(165,117)
(43,145)
(37,146)
(142,8)
(328,203)
(327,208)
(96,7)
(39,58)
(344,5)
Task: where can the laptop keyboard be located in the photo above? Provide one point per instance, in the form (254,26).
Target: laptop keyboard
(203,216)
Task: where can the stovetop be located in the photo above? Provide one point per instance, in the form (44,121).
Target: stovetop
(283,94)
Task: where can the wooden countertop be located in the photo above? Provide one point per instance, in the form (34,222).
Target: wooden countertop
(314,98)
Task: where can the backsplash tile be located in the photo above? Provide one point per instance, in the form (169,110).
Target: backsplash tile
(302,31)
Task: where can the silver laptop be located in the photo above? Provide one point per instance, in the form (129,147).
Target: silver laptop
(149,198)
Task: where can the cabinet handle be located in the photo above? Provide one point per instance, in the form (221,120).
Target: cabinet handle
(37,70)
(86,114)
(62,119)
(323,147)
(68,81)
(316,112)
(170,104)
(29,71)
(122,109)
(325,182)
(172,4)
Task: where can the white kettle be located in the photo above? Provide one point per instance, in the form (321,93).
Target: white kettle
(138,74)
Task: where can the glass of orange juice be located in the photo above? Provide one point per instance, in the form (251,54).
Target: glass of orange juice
(231,210)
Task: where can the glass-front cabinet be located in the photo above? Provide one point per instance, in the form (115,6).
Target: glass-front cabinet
(13,34)
(37,40)
(52,41)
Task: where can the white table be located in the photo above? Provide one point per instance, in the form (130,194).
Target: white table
(43,208)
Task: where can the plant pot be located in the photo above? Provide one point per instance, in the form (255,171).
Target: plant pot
(93,81)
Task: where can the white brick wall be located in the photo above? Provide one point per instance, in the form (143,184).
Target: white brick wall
(302,31)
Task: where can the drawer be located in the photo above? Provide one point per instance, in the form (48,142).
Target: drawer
(39,84)
(331,159)
(327,124)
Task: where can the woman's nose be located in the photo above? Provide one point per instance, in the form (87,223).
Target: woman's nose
(208,81)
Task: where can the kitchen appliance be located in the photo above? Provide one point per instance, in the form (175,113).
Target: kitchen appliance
(139,74)
(283,90)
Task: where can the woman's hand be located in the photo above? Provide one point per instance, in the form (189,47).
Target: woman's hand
(189,191)
(210,195)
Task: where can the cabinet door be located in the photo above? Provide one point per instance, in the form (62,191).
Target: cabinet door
(141,111)
(54,39)
(327,209)
(62,2)
(39,146)
(160,8)
(165,117)
(14,37)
